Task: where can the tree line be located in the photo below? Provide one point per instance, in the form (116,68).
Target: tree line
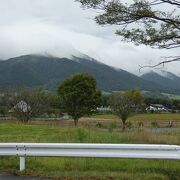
(78,96)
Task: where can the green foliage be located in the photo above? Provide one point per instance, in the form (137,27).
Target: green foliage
(138,20)
(3,111)
(136,95)
(81,135)
(99,125)
(53,102)
(121,106)
(126,103)
(79,96)
(105,100)
(173,97)
(111,126)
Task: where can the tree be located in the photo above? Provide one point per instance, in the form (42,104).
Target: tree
(105,100)
(3,104)
(27,103)
(136,96)
(3,111)
(142,21)
(79,96)
(53,108)
(124,104)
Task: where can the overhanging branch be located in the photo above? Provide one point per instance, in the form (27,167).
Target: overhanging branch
(168,60)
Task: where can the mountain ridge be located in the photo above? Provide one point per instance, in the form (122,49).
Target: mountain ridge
(48,72)
(164,78)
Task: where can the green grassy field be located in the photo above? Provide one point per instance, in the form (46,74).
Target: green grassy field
(89,168)
(172,96)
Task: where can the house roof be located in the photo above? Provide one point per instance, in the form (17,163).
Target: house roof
(157,105)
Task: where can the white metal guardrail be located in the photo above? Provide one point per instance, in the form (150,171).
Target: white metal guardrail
(142,151)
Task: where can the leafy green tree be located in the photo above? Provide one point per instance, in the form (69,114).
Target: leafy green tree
(150,22)
(3,107)
(4,99)
(125,104)
(3,111)
(105,100)
(79,96)
(136,95)
(177,104)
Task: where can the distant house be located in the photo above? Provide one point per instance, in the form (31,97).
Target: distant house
(104,109)
(156,107)
(22,106)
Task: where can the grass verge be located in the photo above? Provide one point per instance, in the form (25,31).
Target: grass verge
(89,168)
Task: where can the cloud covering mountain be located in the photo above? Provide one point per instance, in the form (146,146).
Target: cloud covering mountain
(62,28)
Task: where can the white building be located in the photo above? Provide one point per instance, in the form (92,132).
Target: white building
(156,107)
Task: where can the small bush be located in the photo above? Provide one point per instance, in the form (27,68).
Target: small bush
(154,124)
(99,125)
(81,135)
(129,125)
(111,126)
(170,124)
(140,124)
(3,111)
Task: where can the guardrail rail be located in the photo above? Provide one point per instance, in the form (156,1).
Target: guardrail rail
(141,151)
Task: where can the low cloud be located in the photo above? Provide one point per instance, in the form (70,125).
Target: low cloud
(62,28)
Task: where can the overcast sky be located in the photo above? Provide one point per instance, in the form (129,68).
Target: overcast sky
(62,28)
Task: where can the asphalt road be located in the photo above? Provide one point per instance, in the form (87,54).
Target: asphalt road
(9,177)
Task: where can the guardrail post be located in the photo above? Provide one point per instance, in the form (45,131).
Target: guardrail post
(22,163)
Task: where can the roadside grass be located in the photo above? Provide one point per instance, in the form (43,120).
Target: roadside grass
(89,168)
(54,134)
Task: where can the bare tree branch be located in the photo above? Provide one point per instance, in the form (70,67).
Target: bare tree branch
(169,60)
(142,22)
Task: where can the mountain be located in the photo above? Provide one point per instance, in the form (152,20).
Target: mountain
(48,72)
(164,78)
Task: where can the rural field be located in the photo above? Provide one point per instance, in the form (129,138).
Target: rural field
(146,116)
(100,72)
(93,168)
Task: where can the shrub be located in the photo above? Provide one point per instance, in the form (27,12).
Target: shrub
(99,125)
(129,125)
(154,124)
(3,111)
(111,126)
(81,135)
(170,124)
(140,124)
